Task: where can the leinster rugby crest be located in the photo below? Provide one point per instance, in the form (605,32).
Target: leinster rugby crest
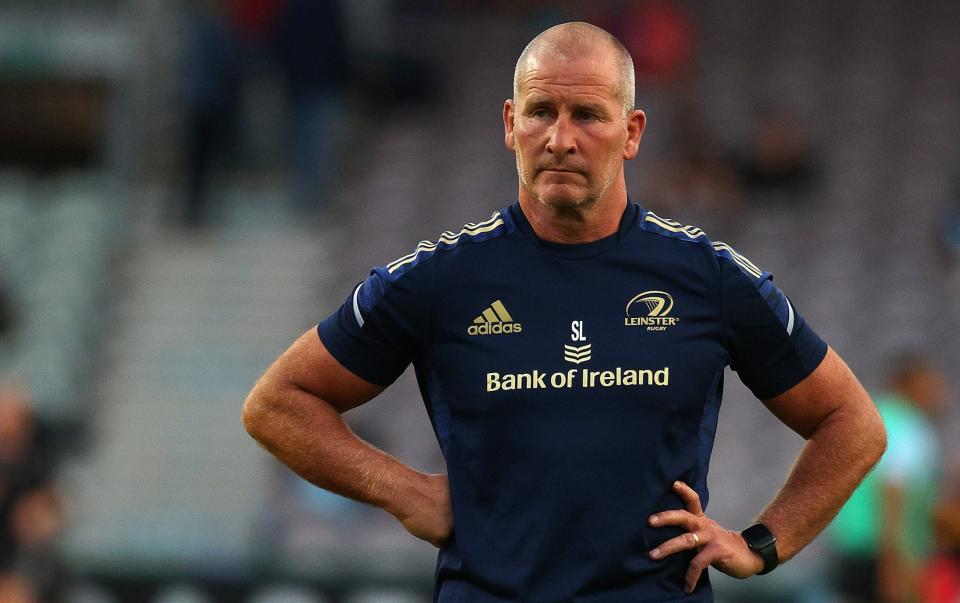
(650,309)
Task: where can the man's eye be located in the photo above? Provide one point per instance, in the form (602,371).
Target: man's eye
(539,113)
(585,116)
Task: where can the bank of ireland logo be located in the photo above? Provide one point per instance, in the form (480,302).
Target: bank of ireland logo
(650,309)
(495,320)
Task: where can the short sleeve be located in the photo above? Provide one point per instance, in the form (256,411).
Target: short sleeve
(770,344)
(378,330)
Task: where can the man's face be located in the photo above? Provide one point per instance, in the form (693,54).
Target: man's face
(568,131)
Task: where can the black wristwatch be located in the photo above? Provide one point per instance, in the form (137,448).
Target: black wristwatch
(761,540)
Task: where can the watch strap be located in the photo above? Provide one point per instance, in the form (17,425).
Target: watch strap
(761,540)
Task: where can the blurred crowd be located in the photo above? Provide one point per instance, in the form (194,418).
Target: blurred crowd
(226,42)
(31,516)
(306,45)
(779,165)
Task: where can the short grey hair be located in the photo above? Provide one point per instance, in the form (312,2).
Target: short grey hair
(578,38)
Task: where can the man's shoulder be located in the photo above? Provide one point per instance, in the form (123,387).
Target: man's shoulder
(696,240)
(426,251)
(671,229)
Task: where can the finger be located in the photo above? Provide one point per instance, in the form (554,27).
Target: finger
(689,496)
(683,542)
(676,517)
(697,565)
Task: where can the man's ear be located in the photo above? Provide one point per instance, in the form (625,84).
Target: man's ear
(636,122)
(508,124)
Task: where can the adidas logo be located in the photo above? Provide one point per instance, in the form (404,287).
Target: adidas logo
(495,320)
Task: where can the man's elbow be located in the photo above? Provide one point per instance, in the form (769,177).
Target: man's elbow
(256,413)
(875,436)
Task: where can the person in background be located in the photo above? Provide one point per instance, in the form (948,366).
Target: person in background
(212,72)
(7,314)
(694,174)
(948,239)
(883,535)
(304,41)
(30,512)
(940,580)
(310,48)
(781,162)
(14,589)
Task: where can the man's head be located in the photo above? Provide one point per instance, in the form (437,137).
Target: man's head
(571,121)
(570,40)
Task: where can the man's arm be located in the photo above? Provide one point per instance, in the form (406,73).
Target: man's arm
(294,412)
(845,438)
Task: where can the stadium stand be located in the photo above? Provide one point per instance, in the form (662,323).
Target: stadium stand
(58,238)
(199,320)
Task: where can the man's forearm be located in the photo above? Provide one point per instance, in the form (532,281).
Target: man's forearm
(308,435)
(843,448)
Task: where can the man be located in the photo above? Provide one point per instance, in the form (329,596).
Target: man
(570,352)
(884,532)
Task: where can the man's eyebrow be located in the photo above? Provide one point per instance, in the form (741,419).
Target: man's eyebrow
(588,106)
(537,101)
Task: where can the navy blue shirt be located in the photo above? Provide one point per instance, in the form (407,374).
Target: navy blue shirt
(569,385)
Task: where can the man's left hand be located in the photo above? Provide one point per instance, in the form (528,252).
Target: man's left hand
(724,549)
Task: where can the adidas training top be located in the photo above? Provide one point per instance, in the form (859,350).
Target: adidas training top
(569,385)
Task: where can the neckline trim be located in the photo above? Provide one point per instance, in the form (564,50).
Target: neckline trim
(575,251)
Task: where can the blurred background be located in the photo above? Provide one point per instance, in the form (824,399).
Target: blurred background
(186,187)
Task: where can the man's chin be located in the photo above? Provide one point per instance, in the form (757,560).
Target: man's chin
(562,197)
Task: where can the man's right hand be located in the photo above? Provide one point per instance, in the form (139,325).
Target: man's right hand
(426,511)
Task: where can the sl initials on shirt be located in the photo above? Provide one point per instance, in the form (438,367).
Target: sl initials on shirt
(573,353)
(576,331)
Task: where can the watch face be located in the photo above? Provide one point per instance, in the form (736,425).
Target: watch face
(758,536)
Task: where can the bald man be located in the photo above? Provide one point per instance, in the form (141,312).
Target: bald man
(570,351)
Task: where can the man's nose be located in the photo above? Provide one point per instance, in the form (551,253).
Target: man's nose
(562,140)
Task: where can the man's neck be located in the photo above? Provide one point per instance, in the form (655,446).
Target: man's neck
(574,224)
